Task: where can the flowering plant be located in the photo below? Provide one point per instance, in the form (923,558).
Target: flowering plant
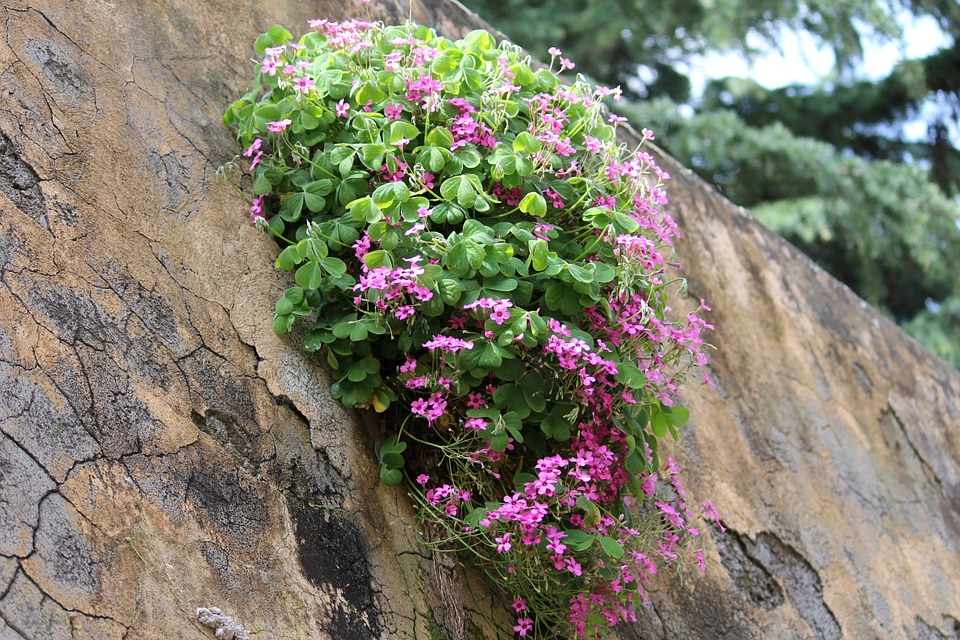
(482,261)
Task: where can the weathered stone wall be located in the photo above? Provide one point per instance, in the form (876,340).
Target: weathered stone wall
(161,450)
(831,445)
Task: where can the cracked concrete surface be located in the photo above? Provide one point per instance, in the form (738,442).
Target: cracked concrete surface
(161,450)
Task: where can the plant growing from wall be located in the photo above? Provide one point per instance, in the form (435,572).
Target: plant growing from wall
(477,257)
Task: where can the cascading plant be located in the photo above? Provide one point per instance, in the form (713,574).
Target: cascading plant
(476,257)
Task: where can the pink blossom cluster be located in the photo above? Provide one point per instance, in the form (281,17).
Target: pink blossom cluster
(254,151)
(636,330)
(424,91)
(408,53)
(556,201)
(542,230)
(394,176)
(271,63)
(256,210)
(430,408)
(639,248)
(347,34)
(499,308)
(525,517)
(390,289)
(467,129)
(594,469)
(511,196)
(447,344)
(448,497)
(548,124)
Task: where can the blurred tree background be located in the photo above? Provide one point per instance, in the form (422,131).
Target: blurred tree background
(837,167)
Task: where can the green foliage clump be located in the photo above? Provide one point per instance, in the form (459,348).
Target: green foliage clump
(477,258)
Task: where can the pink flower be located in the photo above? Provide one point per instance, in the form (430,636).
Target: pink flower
(362,246)
(566,64)
(649,484)
(278,126)
(557,547)
(500,315)
(408,366)
(253,148)
(447,343)
(555,199)
(476,401)
(438,405)
(256,210)
(592,144)
(710,511)
(393,111)
(573,567)
(256,160)
(419,406)
(343,109)
(523,626)
(269,66)
(417,383)
(304,85)
(670,514)
(530,539)
(423,479)
(519,604)
(554,52)
(603,92)
(647,134)
(476,424)
(540,231)
(503,543)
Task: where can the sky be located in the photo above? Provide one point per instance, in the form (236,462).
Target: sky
(802,61)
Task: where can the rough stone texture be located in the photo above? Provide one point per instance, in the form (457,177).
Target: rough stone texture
(831,446)
(161,450)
